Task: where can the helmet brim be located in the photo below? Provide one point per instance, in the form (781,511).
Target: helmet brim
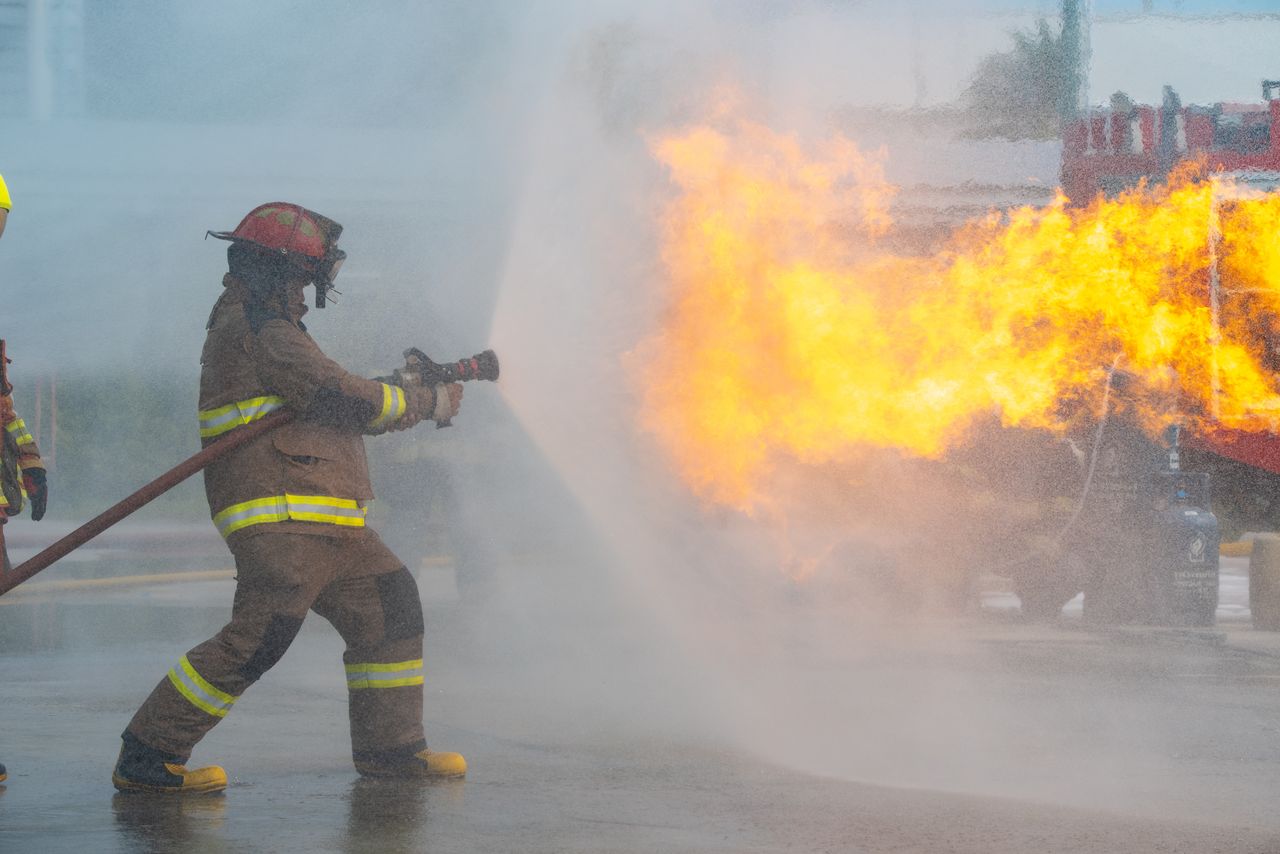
(302,263)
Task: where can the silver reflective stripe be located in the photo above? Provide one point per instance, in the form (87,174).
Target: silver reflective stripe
(393,406)
(198,691)
(260,407)
(380,677)
(298,509)
(396,675)
(215,422)
(251,513)
(325,509)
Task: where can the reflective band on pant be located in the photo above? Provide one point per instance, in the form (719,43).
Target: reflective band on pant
(299,508)
(18,430)
(215,422)
(393,406)
(198,691)
(394,675)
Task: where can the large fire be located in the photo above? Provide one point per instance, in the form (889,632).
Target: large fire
(793,335)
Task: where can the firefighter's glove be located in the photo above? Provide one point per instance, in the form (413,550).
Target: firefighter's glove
(448,400)
(37,487)
(438,403)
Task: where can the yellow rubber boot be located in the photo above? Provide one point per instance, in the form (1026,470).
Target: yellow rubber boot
(141,768)
(421,764)
(442,764)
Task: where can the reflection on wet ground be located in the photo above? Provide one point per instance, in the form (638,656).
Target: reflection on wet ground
(155,823)
(381,816)
(575,744)
(393,815)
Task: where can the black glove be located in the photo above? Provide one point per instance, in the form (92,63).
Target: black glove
(37,487)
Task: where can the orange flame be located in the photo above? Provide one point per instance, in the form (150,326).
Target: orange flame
(792,336)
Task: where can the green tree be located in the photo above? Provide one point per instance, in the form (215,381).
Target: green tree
(1029,91)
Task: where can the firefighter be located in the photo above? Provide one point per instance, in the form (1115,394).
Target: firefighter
(291,505)
(22,473)
(5,205)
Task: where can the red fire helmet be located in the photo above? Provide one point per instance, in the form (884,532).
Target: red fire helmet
(305,239)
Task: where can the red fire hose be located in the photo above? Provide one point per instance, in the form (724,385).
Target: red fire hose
(153,490)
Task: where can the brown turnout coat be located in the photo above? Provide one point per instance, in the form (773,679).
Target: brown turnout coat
(314,469)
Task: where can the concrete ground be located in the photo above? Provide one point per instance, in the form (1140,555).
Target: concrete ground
(1132,740)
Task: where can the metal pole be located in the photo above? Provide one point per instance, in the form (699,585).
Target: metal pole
(39,72)
(141,498)
(1215,299)
(51,458)
(38,422)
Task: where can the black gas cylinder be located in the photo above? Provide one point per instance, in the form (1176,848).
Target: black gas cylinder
(1182,549)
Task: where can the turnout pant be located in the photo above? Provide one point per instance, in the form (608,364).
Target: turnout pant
(355,583)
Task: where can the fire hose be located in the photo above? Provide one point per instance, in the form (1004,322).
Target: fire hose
(113,514)
(1061,535)
(419,370)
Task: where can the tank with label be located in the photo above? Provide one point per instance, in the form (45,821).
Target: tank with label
(1147,536)
(1183,543)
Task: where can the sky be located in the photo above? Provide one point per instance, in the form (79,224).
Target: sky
(1185,7)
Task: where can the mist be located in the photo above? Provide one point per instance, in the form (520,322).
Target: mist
(491,165)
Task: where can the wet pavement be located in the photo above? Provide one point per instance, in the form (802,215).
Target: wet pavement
(1128,741)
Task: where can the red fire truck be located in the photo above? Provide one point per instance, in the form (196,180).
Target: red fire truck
(1112,149)
(1142,491)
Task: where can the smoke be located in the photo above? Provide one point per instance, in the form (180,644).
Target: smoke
(852,672)
(581,286)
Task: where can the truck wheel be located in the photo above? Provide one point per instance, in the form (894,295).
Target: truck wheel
(1120,592)
(1044,594)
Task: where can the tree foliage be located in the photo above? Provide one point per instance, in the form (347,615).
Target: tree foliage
(1027,92)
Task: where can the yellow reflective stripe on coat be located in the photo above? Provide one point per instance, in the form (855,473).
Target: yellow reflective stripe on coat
(394,675)
(18,430)
(215,422)
(393,406)
(299,508)
(198,691)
